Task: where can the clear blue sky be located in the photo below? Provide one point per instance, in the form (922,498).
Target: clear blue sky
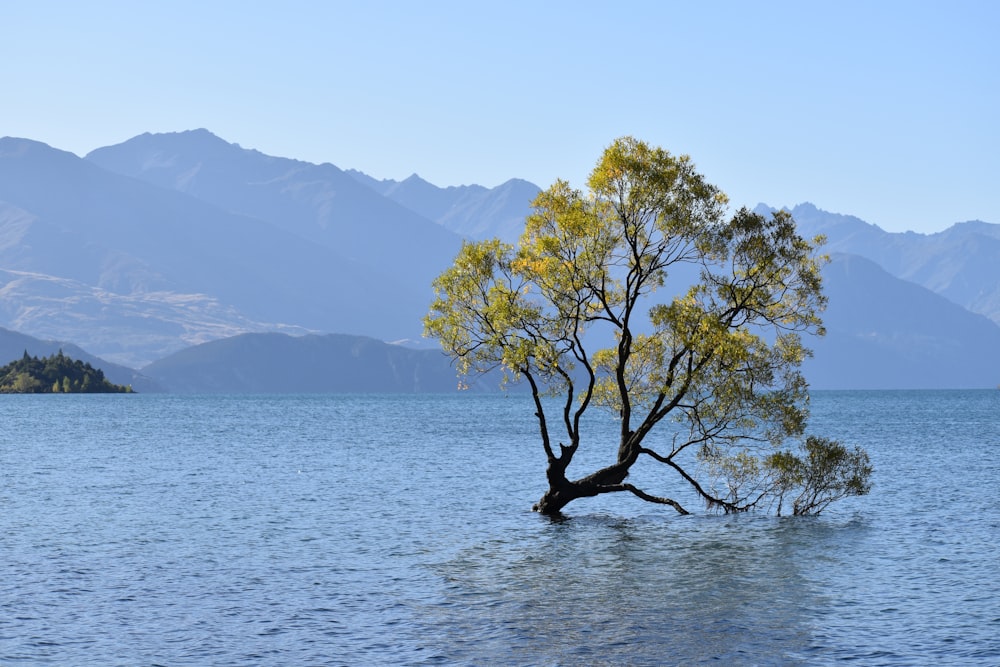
(889,111)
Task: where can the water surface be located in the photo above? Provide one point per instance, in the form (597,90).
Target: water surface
(367,530)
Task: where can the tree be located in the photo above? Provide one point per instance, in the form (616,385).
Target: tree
(715,367)
(24,383)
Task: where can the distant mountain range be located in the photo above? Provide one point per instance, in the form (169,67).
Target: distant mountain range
(134,271)
(470,210)
(962,263)
(212,267)
(887,333)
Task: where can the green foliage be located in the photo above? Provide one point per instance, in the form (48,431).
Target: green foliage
(54,374)
(822,472)
(719,360)
(826,472)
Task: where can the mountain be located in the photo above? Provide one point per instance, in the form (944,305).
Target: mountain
(319,203)
(961,263)
(887,333)
(13,345)
(168,241)
(469,210)
(98,257)
(278,363)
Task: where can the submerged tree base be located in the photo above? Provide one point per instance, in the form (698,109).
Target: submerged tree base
(552,504)
(564,492)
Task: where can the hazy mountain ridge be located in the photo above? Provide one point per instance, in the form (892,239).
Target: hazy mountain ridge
(169,240)
(67,218)
(961,263)
(470,210)
(319,203)
(887,333)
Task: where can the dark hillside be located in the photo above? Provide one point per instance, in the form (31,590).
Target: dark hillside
(278,363)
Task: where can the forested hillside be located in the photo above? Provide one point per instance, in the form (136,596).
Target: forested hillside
(57,374)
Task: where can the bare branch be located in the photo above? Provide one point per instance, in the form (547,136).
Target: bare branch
(642,494)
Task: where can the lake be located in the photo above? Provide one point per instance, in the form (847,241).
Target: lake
(396,530)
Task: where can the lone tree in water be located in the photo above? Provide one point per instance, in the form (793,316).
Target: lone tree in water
(715,368)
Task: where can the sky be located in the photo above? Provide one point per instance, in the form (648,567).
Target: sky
(888,111)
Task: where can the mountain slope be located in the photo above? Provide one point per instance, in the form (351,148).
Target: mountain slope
(277,363)
(887,333)
(469,210)
(319,203)
(131,329)
(66,219)
(961,263)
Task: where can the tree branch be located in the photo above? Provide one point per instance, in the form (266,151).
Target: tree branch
(540,414)
(709,498)
(642,494)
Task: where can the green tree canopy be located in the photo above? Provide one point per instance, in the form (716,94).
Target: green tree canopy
(573,310)
(55,374)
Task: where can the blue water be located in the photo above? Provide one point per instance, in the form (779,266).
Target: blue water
(353,530)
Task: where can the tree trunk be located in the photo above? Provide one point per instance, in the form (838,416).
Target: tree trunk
(556,498)
(563,491)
